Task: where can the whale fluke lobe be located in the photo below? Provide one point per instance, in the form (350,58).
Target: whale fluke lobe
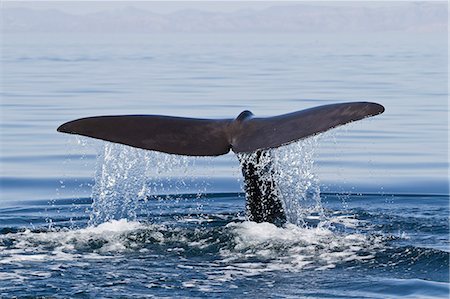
(273,132)
(208,137)
(173,135)
(246,135)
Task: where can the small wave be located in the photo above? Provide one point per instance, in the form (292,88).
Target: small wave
(410,288)
(80,58)
(411,259)
(59,59)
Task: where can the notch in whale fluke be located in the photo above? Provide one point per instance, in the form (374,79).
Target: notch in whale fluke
(209,137)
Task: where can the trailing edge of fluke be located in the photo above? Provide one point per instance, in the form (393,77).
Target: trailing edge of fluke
(214,137)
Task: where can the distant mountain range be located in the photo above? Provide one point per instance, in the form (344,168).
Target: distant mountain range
(408,17)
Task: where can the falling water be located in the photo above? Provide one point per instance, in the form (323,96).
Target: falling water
(297,183)
(120,182)
(291,170)
(126,175)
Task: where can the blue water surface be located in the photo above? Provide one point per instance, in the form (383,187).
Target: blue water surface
(376,225)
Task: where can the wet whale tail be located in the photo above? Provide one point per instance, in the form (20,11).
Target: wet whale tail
(214,137)
(244,134)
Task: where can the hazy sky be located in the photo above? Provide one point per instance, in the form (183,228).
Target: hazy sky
(83,7)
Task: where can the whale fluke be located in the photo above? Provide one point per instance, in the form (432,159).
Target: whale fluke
(273,132)
(244,134)
(206,137)
(173,135)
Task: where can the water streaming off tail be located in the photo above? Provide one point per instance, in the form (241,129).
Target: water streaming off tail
(297,183)
(290,170)
(120,182)
(126,175)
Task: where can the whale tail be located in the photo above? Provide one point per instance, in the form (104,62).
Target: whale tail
(244,134)
(211,137)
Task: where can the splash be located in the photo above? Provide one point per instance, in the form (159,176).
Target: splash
(126,176)
(119,183)
(63,244)
(290,170)
(297,183)
(293,248)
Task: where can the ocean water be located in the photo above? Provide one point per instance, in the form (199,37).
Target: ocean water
(368,202)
